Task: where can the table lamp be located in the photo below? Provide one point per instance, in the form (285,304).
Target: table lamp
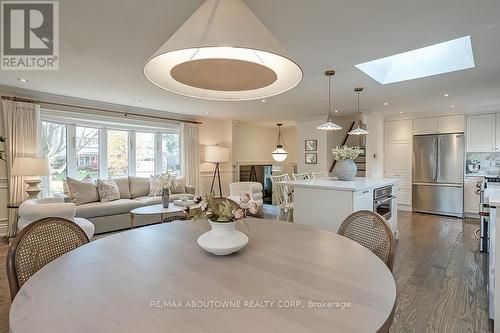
(217,155)
(33,168)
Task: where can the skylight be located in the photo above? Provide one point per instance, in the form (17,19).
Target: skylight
(446,57)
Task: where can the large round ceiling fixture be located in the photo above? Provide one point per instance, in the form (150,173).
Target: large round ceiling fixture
(223,52)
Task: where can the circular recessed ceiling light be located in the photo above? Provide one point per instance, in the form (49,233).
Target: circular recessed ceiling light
(336,111)
(386,103)
(245,62)
(22,80)
(453,106)
(263,101)
(446,95)
(400,112)
(138,100)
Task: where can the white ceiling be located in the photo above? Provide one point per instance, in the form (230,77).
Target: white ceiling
(104,45)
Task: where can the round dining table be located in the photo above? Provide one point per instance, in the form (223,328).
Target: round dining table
(289,278)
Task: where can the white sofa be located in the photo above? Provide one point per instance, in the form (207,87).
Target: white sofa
(254,189)
(36,209)
(115,215)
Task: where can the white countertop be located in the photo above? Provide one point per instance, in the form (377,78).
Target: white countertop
(492,196)
(359,184)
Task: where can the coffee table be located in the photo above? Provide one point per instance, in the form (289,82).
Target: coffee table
(158,209)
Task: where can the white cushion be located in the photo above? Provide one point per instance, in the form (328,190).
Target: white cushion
(87,226)
(82,192)
(157,183)
(139,186)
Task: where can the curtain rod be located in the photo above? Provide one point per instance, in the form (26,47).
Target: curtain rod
(123,113)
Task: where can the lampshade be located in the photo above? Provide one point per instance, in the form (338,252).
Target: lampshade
(216,154)
(30,166)
(279,154)
(223,52)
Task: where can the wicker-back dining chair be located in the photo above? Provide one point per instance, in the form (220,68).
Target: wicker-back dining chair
(373,232)
(37,245)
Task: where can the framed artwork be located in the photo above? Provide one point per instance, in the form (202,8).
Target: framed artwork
(311,145)
(311,158)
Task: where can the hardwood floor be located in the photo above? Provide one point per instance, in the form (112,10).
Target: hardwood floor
(440,274)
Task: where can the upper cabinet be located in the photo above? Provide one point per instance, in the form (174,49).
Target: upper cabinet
(482,132)
(439,125)
(398,131)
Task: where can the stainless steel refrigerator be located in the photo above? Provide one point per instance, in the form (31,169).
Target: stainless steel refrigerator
(438,174)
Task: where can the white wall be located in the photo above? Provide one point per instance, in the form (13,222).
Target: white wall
(216,132)
(307,130)
(249,144)
(375,145)
(327,140)
(254,144)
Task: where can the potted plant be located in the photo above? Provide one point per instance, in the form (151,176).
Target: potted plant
(345,168)
(223,214)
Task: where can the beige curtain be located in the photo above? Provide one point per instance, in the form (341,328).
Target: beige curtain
(190,154)
(21,122)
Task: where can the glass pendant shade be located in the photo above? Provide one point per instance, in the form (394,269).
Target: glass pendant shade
(358,130)
(279,154)
(223,52)
(329,125)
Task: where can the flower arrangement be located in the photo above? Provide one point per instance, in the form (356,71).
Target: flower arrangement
(221,210)
(346,153)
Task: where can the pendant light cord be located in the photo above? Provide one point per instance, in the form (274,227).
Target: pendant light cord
(330,98)
(280,137)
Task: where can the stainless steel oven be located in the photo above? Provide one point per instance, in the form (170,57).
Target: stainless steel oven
(383,200)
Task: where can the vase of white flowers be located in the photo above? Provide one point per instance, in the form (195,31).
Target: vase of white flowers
(345,168)
(223,215)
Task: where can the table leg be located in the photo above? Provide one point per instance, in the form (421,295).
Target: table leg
(132,216)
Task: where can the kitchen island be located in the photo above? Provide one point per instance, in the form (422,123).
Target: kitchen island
(325,203)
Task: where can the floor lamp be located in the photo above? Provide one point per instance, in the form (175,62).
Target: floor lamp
(217,155)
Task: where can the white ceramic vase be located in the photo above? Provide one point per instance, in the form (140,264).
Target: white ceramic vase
(222,239)
(345,169)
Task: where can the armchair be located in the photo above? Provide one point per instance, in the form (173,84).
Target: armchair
(254,189)
(36,209)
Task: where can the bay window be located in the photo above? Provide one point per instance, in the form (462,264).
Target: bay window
(117,153)
(87,149)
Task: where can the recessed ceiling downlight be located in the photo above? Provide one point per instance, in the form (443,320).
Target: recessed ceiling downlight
(223,52)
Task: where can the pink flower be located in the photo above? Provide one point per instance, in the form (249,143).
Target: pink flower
(253,207)
(244,197)
(238,214)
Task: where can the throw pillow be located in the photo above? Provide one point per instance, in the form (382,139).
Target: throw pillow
(108,190)
(82,192)
(157,183)
(178,185)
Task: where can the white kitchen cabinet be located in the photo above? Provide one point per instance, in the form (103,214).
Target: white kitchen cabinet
(451,124)
(362,200)
(439,125)
(481,132)
(397,157)
(471,194)
(425,126)
(398,131)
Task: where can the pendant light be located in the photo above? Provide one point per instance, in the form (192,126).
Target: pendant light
(358,130)
(223,52)
(279,154)
(329,125)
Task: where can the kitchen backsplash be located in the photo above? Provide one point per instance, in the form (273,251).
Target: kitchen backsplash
(482,163)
